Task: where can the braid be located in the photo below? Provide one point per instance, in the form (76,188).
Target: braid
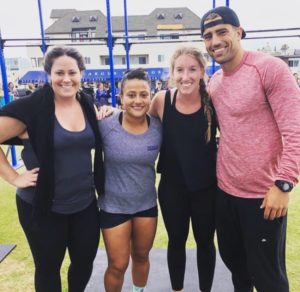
(208,110)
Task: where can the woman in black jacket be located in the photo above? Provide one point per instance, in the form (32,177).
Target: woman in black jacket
(56,196)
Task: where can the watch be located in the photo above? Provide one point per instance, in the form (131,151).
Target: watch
(284,186)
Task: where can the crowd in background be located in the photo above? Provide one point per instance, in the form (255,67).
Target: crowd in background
(101,91)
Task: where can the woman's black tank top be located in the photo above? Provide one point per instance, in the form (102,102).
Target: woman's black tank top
(185,157)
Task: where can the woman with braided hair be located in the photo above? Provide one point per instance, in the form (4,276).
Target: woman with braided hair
(187,165)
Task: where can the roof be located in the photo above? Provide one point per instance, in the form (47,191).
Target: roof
(58,13)
(159,18)
(175,16)
(64,25)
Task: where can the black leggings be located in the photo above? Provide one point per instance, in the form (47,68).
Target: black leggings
(178,206)
(79,233)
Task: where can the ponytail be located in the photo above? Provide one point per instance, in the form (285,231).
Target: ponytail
(208,110)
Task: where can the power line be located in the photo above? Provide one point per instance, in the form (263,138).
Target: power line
(145,37)
(146,42)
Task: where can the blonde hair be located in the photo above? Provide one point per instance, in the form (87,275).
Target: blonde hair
(30,87)
(205,98)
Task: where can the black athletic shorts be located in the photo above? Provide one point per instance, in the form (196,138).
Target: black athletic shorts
(109,220)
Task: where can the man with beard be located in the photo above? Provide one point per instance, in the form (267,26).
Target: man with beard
(255,98)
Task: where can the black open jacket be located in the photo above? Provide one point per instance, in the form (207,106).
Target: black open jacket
(37,112)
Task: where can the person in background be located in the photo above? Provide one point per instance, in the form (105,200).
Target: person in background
(11,91)
(56,198)
(128,209)
(187,161)
(297,78)
(88,88)
(158,86)
(258,107)
(107,87)
(101,95)
(2,101)
(118,90)
(30,88)
(11,87)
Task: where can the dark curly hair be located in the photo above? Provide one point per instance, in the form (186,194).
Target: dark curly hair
(57,52)
(139,73)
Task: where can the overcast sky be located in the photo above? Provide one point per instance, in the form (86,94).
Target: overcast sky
(20,18)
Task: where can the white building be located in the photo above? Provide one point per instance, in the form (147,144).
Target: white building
(153,38)
(292,60)
(16,67)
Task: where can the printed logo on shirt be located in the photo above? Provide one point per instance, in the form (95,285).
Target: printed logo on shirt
(152,147)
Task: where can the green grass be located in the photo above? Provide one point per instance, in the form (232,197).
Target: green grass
(16,271)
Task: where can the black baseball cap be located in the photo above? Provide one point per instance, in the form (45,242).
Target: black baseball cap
(228,16)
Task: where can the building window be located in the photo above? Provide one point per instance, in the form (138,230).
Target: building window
(121,60)
(178,16)
(75,19)
(104,60)
(83,34)
(12,64)
(40,62)
(293,63)
(87,60)
(160,58)
(141,37)
(139,59)
(142,60)
(33,62)
(118,60)
(37,62)
(93,18)
(161,16)
(172,36)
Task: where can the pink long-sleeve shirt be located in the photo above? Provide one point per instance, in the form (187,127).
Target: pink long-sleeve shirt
(258,109)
